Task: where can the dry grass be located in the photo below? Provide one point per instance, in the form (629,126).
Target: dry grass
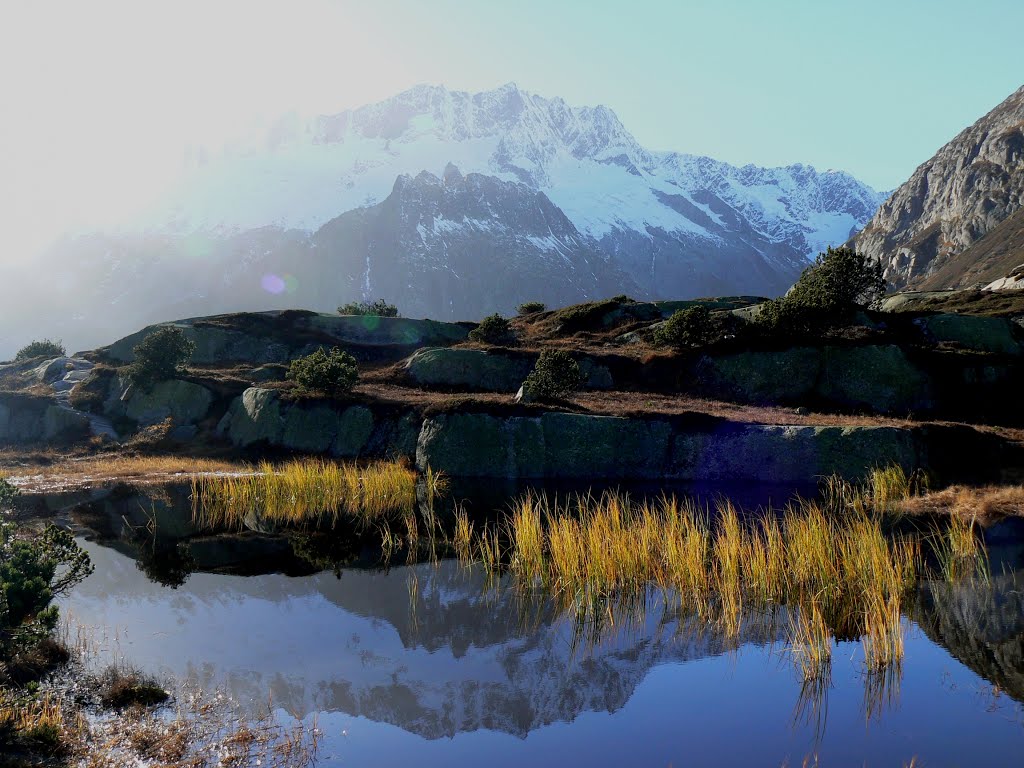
(984,504)
(308,492)
(64,473)
(832,562)
(812,644)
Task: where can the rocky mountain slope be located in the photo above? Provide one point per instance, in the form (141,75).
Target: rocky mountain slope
(990,262)
(549,202)
(952,202)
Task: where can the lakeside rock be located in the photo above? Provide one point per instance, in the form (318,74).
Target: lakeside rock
(566,446)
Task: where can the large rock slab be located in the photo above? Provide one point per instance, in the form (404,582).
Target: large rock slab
(213,345)
(788,454)
(385,331)
(28,418)
(479,370)
(981,334)
(875,378)
(181,401)
(253,417)
(279,337)
(63,424)
(772,376)
(468,369)
(557,445)
(259,416)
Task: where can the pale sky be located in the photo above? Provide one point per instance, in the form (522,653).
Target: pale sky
(100,98)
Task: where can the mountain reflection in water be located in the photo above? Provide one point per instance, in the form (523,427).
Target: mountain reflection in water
(439,652)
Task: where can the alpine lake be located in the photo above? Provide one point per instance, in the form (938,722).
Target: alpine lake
(415,658)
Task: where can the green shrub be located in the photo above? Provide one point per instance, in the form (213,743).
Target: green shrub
(44,348)
(121,688)
(827,293)
(33,571)
(529,307)
(160,356)
(690,327)
(555,375)
(379,308)
(493,329)
(333,373)
(8,494)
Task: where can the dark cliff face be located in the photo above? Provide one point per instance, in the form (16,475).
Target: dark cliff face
(952,201)
(460,247)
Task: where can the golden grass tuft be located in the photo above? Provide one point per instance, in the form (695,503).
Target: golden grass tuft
(811,643)
(307,492)
(831,561)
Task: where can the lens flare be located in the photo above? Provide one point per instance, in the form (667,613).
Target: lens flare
(273,284)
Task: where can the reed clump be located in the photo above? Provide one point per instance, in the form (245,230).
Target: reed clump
(307,492)
(832,563)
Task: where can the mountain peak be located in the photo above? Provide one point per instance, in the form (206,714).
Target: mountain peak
(952,201)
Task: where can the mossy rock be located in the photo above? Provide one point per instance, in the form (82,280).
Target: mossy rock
(771,376)
(385,331)
(481,445)
(253,417)
(876,378)
(63,425)
(181,401)
(309,429)
(581,446)
(788,454)
(354,428)
(982,334)
(467,369)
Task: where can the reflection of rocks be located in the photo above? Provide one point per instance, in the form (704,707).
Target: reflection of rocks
(465,659)
(980,624)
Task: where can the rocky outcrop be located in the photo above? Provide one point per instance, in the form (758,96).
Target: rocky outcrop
(261,338)
(468,369)
(181,401)
(561,445)
(28,418)
(876,378)
(478,370)
(260,417)
(998,335)
(952,201)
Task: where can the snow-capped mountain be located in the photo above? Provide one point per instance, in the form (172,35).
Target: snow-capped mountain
(459,246)
(584,159)
(561,201)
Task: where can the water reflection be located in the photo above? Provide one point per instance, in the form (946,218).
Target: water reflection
(443,664)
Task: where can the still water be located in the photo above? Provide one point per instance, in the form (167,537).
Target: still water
(432,664)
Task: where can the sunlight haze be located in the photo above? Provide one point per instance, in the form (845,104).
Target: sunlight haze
(103,100)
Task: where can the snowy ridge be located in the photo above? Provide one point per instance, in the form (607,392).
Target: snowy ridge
(583,158)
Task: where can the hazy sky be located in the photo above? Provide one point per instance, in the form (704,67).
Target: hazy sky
(100,97)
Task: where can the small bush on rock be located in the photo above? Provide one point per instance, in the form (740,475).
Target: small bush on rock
(690,327)
(333,373)
(160,356)
(494,329)
(44,348)
(380,308)
(555,375)
(529,307)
